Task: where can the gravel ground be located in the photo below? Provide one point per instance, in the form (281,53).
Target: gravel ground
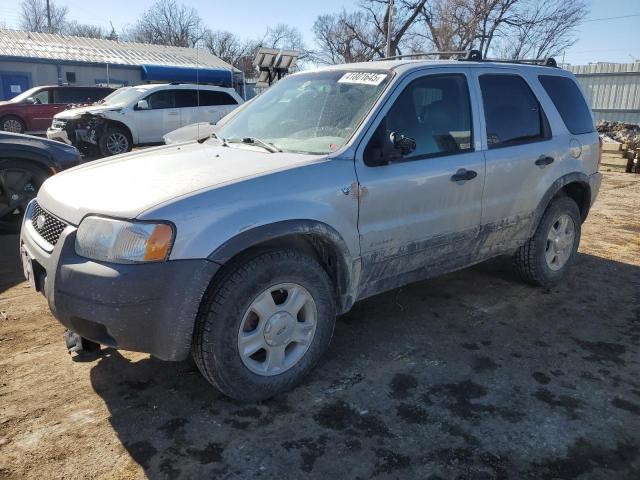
(472,375)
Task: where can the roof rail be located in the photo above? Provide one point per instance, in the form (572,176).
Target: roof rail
(459,54)
(545,62)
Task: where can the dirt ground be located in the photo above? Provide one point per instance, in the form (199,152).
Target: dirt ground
(472,375)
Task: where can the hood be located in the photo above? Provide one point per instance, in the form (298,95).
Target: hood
(77,112)
(125,186)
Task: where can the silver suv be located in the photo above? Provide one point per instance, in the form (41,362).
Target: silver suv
(334,185)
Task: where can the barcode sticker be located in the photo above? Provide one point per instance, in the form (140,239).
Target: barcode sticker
(363,78)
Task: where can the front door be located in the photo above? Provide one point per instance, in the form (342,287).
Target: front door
(420,212)
(162,117)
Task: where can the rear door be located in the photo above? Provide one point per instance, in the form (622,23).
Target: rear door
(521,154)
(214,105)
(187,102)
(420,213)
(160,118)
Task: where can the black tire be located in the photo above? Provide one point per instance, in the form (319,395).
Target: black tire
(105,146)
(10,170)
(530,259)
(8,123)
(215,343)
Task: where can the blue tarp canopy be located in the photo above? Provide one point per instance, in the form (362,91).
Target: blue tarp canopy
(216,76)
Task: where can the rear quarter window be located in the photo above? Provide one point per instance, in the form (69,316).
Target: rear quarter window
(570,103)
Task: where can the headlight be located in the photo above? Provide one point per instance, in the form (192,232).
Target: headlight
(120,241)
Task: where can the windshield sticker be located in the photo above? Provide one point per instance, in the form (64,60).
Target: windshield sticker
(363,78)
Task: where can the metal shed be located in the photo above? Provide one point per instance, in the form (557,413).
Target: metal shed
(30,59)
(613,90)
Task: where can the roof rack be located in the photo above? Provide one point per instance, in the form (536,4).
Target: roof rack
(459,54)
(476,56)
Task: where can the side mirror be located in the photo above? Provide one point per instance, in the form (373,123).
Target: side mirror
(404,144)
(31,100)
(142,105)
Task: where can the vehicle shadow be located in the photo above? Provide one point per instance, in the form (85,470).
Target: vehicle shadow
(473,374)
(10,266)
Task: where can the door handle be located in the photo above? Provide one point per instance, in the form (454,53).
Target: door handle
(462,175)
(544,160)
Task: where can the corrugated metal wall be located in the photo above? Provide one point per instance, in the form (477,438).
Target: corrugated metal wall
(613,90)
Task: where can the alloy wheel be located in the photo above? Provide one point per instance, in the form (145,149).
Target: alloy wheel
(277,329)
(117,143)
(18,186)
(12,125)
(560,240)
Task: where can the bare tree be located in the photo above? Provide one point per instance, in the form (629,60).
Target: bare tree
(403,26)
(76,29)
(168,23)
(33,16)
(337,42)
(232,49)
(543,29)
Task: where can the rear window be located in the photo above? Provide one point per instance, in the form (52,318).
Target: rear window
(569,102)
(210,98)
(78,95)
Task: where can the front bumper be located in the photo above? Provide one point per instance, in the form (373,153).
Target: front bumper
(141,307)
(58,134)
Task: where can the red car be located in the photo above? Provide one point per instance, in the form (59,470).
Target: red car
(32,111)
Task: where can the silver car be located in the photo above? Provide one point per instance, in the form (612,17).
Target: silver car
(334,185)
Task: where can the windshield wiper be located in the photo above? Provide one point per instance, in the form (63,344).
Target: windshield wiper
(253,141)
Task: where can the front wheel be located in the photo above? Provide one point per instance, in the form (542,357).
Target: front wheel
(264,325)
(115,141)
(12,124)
(19,184)
(549,254)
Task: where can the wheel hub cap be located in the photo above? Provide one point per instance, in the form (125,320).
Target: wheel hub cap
(560,242)
(278,329)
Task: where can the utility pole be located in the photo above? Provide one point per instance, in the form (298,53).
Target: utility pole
(49,15)
(389,27)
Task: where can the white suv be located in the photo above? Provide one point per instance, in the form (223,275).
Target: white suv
(141,115)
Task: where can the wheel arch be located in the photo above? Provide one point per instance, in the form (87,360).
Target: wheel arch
(311,237)
(40,162)
(574,185)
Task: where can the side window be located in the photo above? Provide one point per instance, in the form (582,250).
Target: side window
(161,99)
(70,95)
(42,97)
(210,98)
(435,111)
(569,102)
(186,98)
(512,112)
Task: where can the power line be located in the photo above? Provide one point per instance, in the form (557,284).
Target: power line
(610,18)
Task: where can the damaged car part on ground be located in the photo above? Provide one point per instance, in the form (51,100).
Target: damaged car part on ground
(141,115)
(332,186)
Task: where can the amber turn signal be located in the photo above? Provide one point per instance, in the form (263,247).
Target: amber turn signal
(159,243)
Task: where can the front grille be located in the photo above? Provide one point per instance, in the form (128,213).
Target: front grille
(48,227)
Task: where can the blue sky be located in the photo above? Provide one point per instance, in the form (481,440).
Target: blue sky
(614,40)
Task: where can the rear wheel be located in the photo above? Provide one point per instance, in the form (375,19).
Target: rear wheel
(264,325)
(12,124)
(19,184)
(549,254)
(115,141)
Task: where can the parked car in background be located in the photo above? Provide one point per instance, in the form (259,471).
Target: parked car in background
(33,110)
(332,186)
(25,163)
(141,115)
